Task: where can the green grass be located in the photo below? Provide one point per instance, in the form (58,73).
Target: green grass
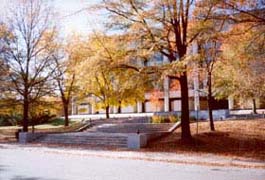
(53,123)
(57,122)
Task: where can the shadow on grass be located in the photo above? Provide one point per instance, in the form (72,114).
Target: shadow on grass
(222,143)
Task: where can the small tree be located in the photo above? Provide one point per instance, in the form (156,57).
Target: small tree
(65,74)
(103,78)
(209,43)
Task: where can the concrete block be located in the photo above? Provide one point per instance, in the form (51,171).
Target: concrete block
(136,141)
(26,137)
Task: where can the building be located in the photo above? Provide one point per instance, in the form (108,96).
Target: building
(166,99)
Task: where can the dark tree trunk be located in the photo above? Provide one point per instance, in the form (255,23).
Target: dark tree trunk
(254,107)
(210,111)
(209,99)
(66,118)
(25,114)
(107,112)
(119,107)
(185,126)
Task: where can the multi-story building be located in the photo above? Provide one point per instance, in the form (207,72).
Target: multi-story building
(164,99)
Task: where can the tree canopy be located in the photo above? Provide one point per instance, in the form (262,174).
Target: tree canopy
(100,76)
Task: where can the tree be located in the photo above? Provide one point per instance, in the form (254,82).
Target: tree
(101,77)
(94,77)
(243,11)
(65,63)
(26,55)
(160,26)
(129,87)
(4,71)
(209,43)
(3,78)
(242,19)
(241,72)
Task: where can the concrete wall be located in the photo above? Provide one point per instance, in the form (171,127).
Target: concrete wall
(217,114)
(246,111)
(137,141)
(26,137)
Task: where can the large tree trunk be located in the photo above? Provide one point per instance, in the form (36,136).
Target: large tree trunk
(25,114)
(209,99)
(185,126)
(254,107)
(107,112)
(66,118)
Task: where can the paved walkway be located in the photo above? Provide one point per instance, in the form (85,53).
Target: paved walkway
(42,163)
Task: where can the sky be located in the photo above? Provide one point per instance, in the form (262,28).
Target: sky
(74,18)
(82,22)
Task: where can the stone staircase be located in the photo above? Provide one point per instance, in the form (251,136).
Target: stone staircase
(91,139)
(121,133)
(131,128)
(98,122)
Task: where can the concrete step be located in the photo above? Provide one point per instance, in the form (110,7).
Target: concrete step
(81,141)
(87,143)
(132,128)
(87,139)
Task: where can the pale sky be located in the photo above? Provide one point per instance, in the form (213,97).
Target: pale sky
(82,22)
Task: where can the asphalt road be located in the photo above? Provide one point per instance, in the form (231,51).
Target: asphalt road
(22,163)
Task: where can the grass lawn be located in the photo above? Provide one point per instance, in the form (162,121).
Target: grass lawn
(239,138)
(56,125)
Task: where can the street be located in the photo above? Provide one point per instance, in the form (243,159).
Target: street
(23,163)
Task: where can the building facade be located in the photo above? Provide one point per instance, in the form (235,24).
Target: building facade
(165,99)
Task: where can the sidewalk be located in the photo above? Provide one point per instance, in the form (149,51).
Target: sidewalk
(195,159)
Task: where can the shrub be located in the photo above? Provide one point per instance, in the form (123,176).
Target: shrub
(173,118)
(57,121)
(17,119)
(82,110)
(10,120)
(41,118)
(157,119)
(193,119)
(160,119)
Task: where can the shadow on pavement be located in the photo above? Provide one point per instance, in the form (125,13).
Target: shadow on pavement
(29,178)
(4,169)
